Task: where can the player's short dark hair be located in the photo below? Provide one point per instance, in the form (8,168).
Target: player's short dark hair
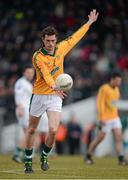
(28,66)
(49,30)
(114,75)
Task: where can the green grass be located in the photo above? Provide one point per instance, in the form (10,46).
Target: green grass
(65,167)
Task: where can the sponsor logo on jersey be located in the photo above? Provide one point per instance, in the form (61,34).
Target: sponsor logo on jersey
(54,70)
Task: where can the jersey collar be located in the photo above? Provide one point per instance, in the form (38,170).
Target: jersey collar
(46,53)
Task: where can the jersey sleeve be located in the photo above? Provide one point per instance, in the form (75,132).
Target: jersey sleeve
(18,93)
(43,70)
(67,44)
(101,100)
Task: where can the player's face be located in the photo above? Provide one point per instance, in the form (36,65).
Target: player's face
(49,42)
(29,74)
(117,81)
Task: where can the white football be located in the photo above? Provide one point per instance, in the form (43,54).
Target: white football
(64,81)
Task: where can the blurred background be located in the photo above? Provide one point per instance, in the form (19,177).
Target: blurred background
(102,50)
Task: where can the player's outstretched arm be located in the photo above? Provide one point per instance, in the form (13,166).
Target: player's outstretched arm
(71,41)
(92,17)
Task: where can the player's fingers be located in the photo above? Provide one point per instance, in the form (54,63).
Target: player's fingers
(94,10)
(94,13)
(91,13)
(96,16)
(64,94)
(60,95)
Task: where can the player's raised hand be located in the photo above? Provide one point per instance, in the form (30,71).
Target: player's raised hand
(92,16)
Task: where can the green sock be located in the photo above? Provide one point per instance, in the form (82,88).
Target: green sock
(28,155)
(46,150)
(120,157)
(18,151)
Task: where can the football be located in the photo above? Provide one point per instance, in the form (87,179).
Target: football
(64,82)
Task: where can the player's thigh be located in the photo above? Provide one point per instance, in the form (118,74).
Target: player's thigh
(53,120)
(33,121)
(101,135)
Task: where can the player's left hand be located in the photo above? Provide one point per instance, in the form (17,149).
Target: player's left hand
(59,92)
(92,16)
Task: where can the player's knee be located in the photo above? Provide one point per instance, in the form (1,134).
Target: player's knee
(53,131)
(118,138)
(31,130)
(101,137)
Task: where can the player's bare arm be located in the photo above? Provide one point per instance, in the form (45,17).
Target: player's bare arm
(92,18)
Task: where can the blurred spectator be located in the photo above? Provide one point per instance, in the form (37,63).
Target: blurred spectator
(88,134)
(102,64)
(60,138)
(123,62)
(101,51)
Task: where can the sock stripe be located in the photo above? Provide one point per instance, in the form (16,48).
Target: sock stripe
(45,153)
(28,157)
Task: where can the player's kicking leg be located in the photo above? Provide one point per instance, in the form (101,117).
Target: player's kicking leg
(53,121)
(33,123)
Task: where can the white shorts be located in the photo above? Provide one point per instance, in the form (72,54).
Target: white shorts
(111,124)
(41,103)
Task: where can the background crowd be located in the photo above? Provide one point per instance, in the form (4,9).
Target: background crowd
(103,49)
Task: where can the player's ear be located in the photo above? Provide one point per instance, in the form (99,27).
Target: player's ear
(42,38)
(42,41)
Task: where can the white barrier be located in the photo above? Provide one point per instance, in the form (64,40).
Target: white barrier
(85,112)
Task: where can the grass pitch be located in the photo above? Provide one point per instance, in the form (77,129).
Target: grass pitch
(65,167)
